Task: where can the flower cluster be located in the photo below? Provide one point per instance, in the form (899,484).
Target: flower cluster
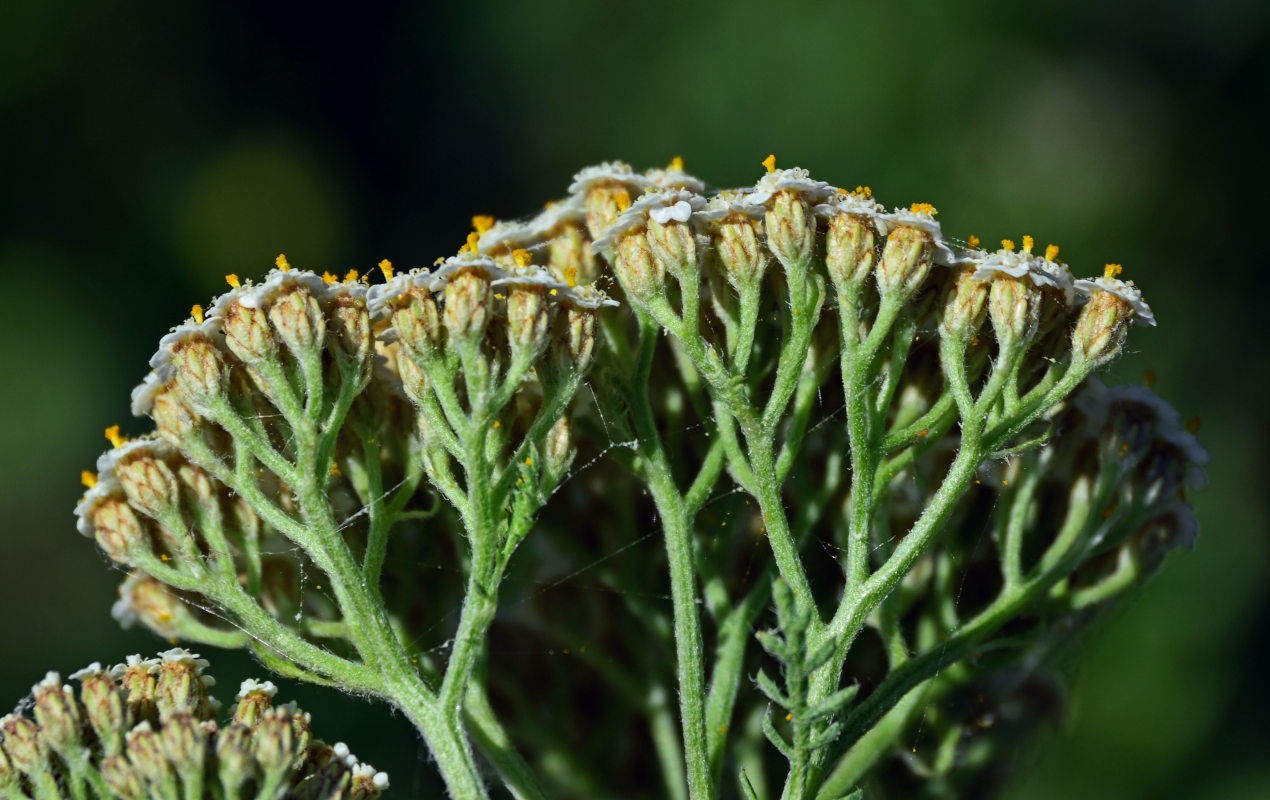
(824,403)
(148,728)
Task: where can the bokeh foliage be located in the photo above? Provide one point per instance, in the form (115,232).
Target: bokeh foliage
(147,149)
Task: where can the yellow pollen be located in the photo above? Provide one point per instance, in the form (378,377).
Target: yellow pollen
(89,479)
(1051,252)
(863,191)
(196,311)
(923,208)
(385,267)
(840,190)
(497,424)
(676,164)
(523,258)
(529,462)
(350,276)
(1007,244)
(571,276)
(623,200)
(482,222)
(335,470)
(440,260)
(329,278)
(1112,270)
(470,246)
(770,163)
(232,280)
(1028,243)
(282,263)
(115,438)
(972,241)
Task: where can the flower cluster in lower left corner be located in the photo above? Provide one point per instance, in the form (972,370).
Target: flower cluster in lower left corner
(148,729)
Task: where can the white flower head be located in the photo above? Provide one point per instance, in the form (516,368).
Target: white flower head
(459,263)
(859,202)
(607,172)
(253,686)
(587,297)
(674,177)
(532,275)
(143,394)
(922,217)
(507,234)
(197,326)
(794,179)
(729,203)
(660,205)
(88,671)
(1125,290)
(379,297)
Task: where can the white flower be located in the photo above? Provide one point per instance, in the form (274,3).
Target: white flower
(794,179)
(380,296)
(510,234)
(661,206)
(530,276)
(161,362)
(463,261)
(674,178)
(88,671)
(727,203)
(588,297)
(609,171)
(1019,265)
(143,394)
(1124,290)
(851,203)
(122,610)
(251,685)
(922,217)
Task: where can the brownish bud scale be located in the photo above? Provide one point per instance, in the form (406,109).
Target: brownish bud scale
(966,307)
(1101,328)
(350,327)
(200,369)
(104,707)
(27,750)
(850,241)
(117,529)
(58,715)
(790,228)
(528,319)
(235,763)
(570,258)
(248,334)
(466,311)
(673,245)
(641,275)
(418,322)
(580,336)
(296,316)
(148,482)
(906,260)
(740,252)
(1012,305)
(122,778)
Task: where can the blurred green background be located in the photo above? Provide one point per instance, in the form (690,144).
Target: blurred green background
(146,149)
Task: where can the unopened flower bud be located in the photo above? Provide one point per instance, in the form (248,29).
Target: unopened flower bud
(1103,323)
(607,190)
(580,336)
(274,742)
(184,742)
(122,778)
(466,310)
(248,334)
(641,275)
(559,451)
(350,326)
(117,529)
(528,319)
(906,260)
(790,228)
(148,482)
(966,307)
(200,369)
(22,741)
(671,240)
(181,686)
(145,751)
(58,715)
(367,782)
(254,699)
(418,322)
(10,778)
(849,250)
(137,679)
(173,418)
(103,705)
(296,316)
(234,757)
(1012,305)
(740,251)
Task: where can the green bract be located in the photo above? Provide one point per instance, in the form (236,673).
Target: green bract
(824,406)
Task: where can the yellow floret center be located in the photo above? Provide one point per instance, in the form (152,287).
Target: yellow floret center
(351,275)
(328,277)
(470,245)
(676,164)
(770,163)
(196,311)
(923,208)
(1051,252)
(523,258)
(282,263)
(385,267)
(482,222)
(1007,244)
(1112,270)
(89,479)
(232,280)
(1028,244)
(972,241)
(623,200)
(115,438)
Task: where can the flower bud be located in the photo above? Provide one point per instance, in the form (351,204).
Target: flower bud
(58,715)
(181,687)
(184,742)
(849,250)
(740,252)
(103,705)
(296,316)
(580,336)
(1101,328)
(254,699)
(234,759)
(367,782)
(466,312)
(27,750)
(117,529)
(173,418)
(570,257)
(1012,305)
(148,482)
(350,327)
(200,369)
(606,190)
(122,778)
(274,742)
(671,240)
(966,307)
(145,751)
(247,333)
(559,451)
(418,322)
(790,228)
(528,320)
(137,679)
(10,779)
(641,275)
(906,259)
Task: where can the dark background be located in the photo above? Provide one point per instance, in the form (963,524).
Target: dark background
(146,149)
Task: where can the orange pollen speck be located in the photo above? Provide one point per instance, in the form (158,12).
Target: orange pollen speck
(89,479)
(770,163)
(923,208)
(232,280)
(676,164)
(385,267)
(196,311)
(282,263)
(972,241)
(1112,270)
(482,222)
(114,437)
(329,278)
(523,258)
(1028,243)
(1007,244)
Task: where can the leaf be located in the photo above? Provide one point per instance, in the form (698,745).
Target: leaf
(773,736)
(833,703)
(769,688)
(287,668)
(747,787)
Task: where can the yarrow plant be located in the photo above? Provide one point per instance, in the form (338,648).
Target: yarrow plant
(888,487)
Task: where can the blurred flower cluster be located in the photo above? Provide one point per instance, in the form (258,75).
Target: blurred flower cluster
(148,728)
(815,402)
